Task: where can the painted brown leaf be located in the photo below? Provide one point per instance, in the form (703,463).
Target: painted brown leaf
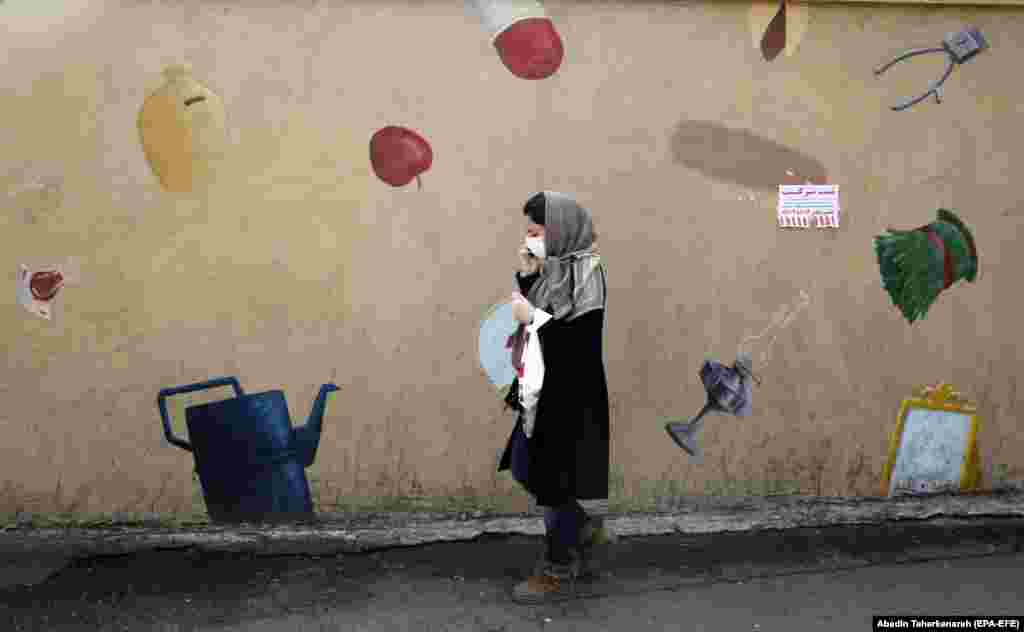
(777,26)
(774,39)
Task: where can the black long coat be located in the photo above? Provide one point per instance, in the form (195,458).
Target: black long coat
(569,449)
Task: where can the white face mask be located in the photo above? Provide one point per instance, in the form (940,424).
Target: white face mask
(536,246)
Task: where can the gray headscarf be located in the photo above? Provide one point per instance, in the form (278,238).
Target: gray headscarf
(572,281)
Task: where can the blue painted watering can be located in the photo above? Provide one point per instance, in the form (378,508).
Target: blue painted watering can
(251,462)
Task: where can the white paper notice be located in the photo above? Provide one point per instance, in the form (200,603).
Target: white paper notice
(807,205)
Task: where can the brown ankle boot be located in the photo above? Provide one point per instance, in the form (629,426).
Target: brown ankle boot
(551,583)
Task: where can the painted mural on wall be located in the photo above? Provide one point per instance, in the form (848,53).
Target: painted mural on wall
(398,155)
(251,462)
(959,48)
(934,448)
(729,391)
(39,285)
(777,27)
(762,345)
(183,130)
(524,36)
(917,265)
(38,289)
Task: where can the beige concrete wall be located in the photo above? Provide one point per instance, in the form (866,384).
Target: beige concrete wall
(300,267)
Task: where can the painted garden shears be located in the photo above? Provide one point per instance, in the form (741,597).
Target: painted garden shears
(959,47)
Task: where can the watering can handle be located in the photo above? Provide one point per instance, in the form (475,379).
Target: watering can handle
(161,402)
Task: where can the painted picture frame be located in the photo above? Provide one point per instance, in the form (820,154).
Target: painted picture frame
(934,448)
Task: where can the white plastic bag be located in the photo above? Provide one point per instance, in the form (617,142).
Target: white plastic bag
(533,371)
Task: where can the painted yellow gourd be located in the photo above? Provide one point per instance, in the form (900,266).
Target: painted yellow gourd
(183,130)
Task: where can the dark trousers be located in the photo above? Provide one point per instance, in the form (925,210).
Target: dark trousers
(563,523)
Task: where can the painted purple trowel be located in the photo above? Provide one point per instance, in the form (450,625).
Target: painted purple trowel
(729,391)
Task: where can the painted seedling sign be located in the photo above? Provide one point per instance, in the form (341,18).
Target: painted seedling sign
(807,205)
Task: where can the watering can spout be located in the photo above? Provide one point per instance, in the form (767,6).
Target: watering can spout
(306,439)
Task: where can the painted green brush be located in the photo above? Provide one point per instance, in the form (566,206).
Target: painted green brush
(917,265)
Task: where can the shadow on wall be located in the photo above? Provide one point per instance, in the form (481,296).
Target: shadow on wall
(741,157)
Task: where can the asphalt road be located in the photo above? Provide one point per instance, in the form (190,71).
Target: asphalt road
(832,579)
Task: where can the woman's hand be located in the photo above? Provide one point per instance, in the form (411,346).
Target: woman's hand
(528,264)
(522,311)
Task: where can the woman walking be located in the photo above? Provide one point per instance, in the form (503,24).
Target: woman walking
(559,448)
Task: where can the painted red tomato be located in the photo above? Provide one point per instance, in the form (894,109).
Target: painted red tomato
(45,284)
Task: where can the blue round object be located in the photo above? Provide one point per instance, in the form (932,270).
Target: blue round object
(495,356)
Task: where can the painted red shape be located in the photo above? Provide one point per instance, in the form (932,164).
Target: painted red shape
(947,256)
(45,285)
(398,154)
(774,40)
(531,48)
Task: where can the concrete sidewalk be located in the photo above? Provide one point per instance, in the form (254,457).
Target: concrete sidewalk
(776,578)
(29,555)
